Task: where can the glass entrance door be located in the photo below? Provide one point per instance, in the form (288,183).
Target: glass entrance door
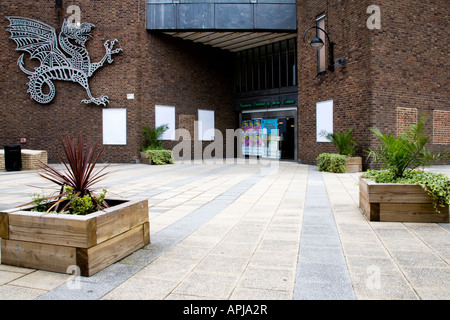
(272,138)
(286,128)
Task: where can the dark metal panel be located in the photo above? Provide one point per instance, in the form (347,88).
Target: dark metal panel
(196,16)
(276,16)
(237,15)
(161,16)
(275,1)
(234,16)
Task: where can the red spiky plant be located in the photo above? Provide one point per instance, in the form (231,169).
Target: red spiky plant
(80,174)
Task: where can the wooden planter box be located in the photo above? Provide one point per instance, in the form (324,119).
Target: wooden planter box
(354,164)
(144,158)
(54,242)
(398,202)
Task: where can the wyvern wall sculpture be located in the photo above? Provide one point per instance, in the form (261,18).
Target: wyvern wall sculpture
(62,57)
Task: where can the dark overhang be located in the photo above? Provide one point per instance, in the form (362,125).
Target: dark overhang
(233,25)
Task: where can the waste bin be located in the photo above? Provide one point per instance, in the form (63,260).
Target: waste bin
(13,157)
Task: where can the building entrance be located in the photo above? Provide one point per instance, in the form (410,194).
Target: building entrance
(287,133)
(271,136)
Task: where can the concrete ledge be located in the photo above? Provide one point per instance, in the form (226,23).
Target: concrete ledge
(30,159)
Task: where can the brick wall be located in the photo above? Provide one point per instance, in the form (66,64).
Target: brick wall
(405,118)
(157,69)
(402,65)
(410,60)
(441,127)
(349,87)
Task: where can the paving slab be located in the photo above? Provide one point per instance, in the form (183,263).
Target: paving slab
(241,231)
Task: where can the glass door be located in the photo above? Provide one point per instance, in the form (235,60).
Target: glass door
(272,138)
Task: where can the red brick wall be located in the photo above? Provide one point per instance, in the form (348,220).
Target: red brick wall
(401,65)
(349,87)
(410,59)
(158,69)
(405,118)
(441,127)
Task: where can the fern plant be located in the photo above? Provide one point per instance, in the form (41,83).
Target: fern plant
(151,137)
(404,153)
(343,141)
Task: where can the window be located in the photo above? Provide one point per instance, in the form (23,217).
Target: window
(324,120)
(115,126)
(206,125)
(271,66)
(321,54)
(166,115)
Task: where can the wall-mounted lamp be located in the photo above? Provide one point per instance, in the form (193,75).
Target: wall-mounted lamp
(317,44)
(58,4)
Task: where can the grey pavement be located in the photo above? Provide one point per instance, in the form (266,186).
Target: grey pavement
(238,231)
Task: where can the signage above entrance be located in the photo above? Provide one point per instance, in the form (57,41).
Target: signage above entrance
(268,104)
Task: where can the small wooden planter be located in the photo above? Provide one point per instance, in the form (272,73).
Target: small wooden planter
(144,158)
(55,242)
(354,164)
(398,203)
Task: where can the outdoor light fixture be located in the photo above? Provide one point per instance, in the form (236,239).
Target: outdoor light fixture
(318,44)
(58,4)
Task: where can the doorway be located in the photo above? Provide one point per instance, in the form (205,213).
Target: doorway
(286,128)
(271,135)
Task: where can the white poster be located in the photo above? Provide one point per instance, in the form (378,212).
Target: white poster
(206,125)
(115,126)
(166,115)
(324,120)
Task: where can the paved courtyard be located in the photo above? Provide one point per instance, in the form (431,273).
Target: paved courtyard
(247,231)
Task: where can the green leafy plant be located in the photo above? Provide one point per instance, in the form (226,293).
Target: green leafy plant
(40,202)
(404,153)
(85,204)
(76,181)
(160,156)
(332,162)
(343,141)
(151,137)
(401,156)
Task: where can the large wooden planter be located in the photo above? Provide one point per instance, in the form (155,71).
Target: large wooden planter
(55,242)
(398,202)
(354,164)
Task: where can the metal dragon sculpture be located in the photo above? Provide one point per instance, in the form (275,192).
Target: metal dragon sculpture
(62,57)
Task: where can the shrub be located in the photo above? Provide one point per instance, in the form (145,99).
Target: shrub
(332,162)
(343,141)
(160,156)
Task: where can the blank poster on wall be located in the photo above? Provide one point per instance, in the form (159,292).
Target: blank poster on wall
(115,126)
(324,120)
(206,125)
(166,115)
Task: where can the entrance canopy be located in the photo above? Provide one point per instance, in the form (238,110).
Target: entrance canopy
(232,25)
